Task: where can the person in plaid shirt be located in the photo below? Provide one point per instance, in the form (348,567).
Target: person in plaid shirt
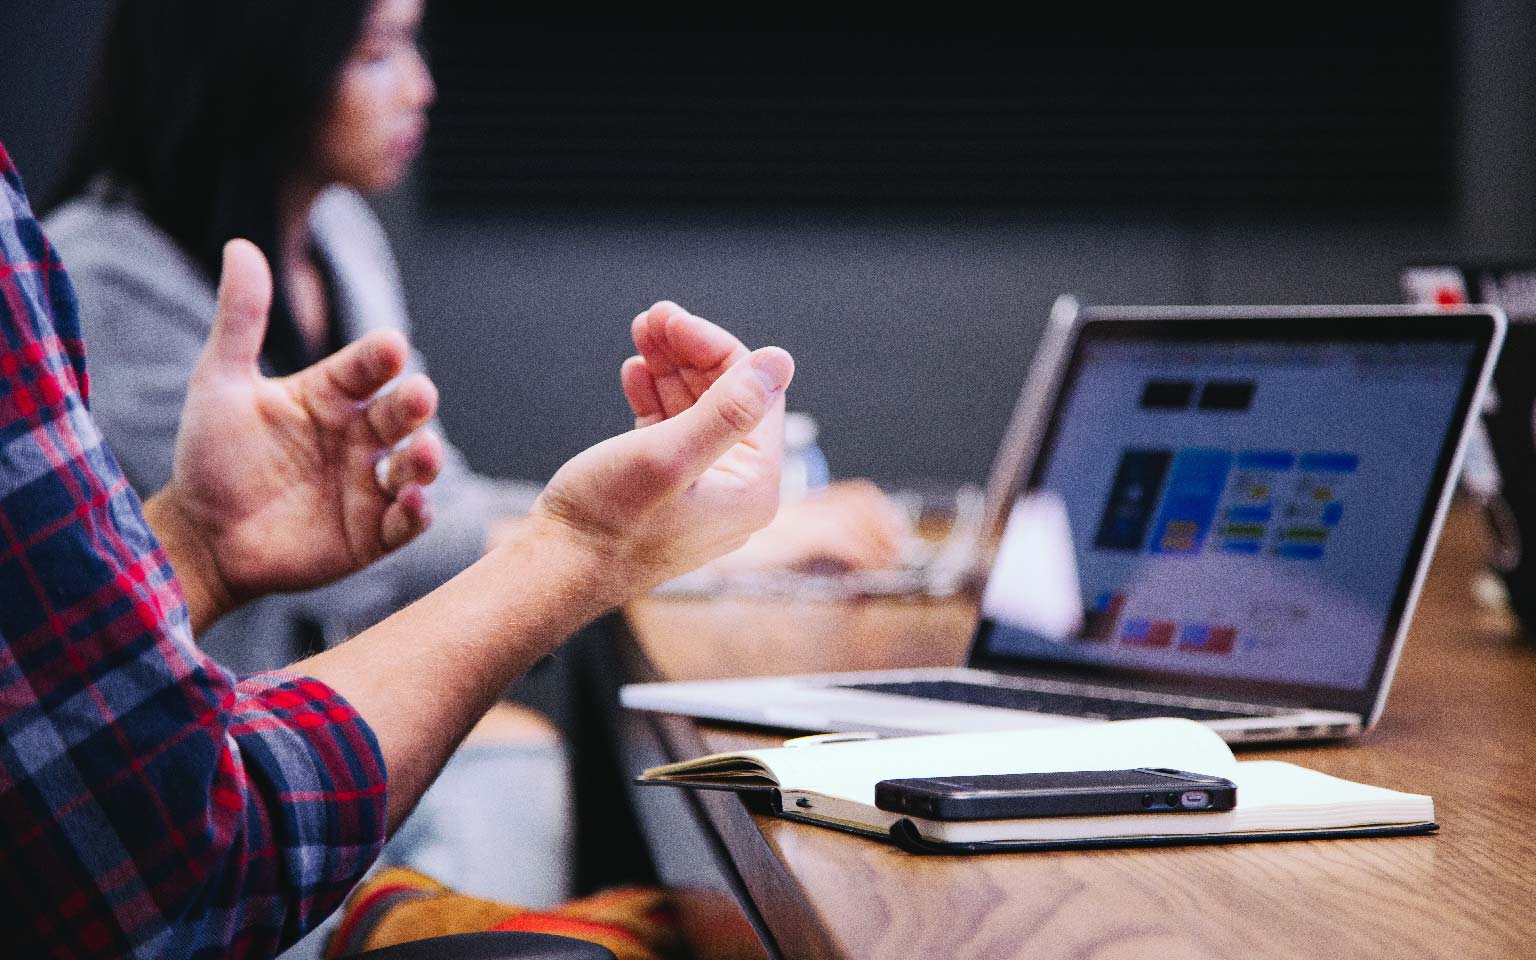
(153,805)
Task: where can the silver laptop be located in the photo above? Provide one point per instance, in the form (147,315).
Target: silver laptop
(1222,514)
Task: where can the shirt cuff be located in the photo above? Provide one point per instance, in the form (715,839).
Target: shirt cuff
(323,774)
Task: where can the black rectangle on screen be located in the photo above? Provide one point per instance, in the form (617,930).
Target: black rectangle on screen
(1167,394)
(1128,512)
(1227,395)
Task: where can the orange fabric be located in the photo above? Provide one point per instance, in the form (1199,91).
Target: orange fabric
(636,923)
(359,908)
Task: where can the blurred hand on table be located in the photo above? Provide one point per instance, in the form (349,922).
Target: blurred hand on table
(849,526)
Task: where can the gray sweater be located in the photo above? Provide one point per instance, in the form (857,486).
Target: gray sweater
(146,309)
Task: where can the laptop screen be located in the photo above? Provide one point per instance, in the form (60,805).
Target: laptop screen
(1243,510)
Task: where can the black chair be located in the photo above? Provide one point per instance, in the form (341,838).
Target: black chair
(490,946)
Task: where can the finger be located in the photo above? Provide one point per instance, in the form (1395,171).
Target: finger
(701,351)
(418,462)
(402,411)
(744,405)
(649,331)
(351,375)
(405,518)
(245,300)
(640,391)
(640,327)
(686,353)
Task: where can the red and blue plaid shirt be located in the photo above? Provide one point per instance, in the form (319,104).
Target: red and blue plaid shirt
(150,805)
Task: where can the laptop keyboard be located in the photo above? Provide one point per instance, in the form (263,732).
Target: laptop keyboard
(1064,704)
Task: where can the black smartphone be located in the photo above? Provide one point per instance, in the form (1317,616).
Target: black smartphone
(1078,793)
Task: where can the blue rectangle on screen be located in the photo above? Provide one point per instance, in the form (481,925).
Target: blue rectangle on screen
(1265,460)
(1136,629)
(1330,462)
(1249,514)
(1241,546)
(1301,551)
(1333,513)
(1194,635)
(1195,485)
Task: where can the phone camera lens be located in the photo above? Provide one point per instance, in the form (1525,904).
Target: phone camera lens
(1173,799)
(1146,800)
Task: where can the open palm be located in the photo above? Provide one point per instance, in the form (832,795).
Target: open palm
(279,476)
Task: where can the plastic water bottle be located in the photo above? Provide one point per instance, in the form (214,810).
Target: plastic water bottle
(805,466)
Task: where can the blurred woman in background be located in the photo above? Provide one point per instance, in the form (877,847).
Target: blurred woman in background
(263,120)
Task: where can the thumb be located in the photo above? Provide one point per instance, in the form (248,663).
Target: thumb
(245,299)
(744,404)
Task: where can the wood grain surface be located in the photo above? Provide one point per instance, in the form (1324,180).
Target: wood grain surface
(1460,726)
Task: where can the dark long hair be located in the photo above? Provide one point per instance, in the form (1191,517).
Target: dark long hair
(204,109)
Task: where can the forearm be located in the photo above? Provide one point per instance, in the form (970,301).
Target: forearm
(207,598)
(424,676)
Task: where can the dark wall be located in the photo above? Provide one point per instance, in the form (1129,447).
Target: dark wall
(912,331)
(912,334)
(46,51)
(1498,125)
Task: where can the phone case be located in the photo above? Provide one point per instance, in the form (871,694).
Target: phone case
(1062,794)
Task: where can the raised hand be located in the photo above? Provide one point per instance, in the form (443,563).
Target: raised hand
(700,471)
(850,526)
(277,482)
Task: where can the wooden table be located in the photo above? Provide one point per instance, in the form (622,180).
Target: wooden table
(1460,726)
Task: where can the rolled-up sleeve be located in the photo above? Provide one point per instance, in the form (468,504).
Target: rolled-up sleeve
(150,804)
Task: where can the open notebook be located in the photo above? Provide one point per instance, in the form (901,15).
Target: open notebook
(833,784)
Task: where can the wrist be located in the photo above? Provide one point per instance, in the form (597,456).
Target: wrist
(594,577)
(208,597)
